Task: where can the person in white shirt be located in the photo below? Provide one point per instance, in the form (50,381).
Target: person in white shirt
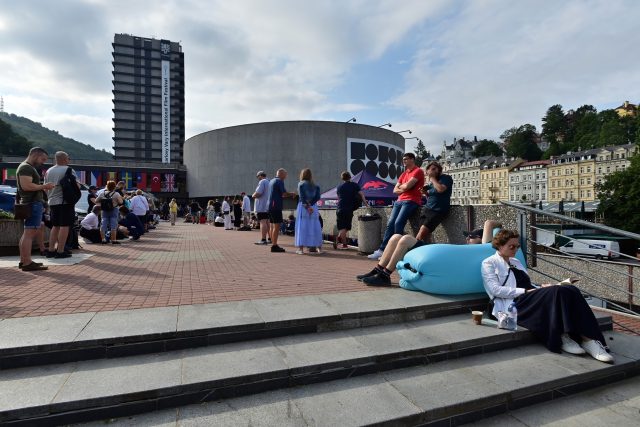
(226,211)
(246,208)
(140,207)
(90,226)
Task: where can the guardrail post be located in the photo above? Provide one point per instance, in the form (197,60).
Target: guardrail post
(630,283)
(522,230)
(534,238)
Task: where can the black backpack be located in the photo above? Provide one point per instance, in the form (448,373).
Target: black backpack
(70,191)
(106,203)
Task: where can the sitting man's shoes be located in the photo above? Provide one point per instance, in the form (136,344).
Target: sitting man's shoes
(570,346)
(369,274)
(596,350)
(34,267)
(33,262)
(261,242)
(277,249)
(375,255)
(63,255)
(377,280)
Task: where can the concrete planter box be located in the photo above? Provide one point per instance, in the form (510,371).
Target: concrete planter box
(10,234)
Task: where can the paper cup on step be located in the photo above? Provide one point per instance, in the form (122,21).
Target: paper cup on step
(477,317)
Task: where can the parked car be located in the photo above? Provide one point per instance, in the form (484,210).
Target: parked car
(7,200)
(595,248)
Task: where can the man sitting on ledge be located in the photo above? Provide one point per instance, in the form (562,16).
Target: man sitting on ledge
(399,245)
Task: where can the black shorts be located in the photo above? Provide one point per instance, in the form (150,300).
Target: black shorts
(63,215)
(275,217)
(263,215)
(344,219)
(418,244)
(431,219)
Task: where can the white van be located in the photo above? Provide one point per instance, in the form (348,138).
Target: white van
(596,248)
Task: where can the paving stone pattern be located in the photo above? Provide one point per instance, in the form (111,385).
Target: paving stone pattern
(182,265)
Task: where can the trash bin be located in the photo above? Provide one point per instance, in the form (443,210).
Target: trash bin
(369,229)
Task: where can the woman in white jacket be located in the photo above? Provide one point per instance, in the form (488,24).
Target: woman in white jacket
(557,315)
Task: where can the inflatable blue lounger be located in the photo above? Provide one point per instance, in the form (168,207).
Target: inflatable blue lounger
(446,269)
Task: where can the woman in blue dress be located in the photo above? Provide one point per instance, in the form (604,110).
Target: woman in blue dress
(308,230)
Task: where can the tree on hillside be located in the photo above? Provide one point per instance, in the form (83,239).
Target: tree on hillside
(487,147)
(611,130)
(421,153)
(11,143)
(554,124)
(619,197)
(521,142)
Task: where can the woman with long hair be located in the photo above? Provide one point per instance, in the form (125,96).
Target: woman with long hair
(308,230)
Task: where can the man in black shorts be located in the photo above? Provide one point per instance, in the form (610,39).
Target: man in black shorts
(63,214)
(438,190)
(276,193)
(350,198)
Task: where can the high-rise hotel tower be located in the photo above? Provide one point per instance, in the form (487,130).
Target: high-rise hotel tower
(148,99)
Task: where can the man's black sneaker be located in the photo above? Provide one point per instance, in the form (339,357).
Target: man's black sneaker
(51,254)
(277,249)
(115,242)
(33,262)
(261,242)
(377,280)
(369,274)
(63,255)
(34,267)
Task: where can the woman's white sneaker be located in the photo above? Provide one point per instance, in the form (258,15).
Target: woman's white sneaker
(375,255)
(597,351)
(570,346)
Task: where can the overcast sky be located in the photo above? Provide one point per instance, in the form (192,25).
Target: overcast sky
(443,69)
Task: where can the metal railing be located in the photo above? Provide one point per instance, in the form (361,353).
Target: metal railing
(602,277)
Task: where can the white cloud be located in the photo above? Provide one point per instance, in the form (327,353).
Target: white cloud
(468,68)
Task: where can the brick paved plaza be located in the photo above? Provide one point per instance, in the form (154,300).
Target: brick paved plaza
(181,265)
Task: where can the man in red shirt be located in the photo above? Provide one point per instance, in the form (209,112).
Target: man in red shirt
(408,188)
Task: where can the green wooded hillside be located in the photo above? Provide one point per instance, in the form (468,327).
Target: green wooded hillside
(50,140)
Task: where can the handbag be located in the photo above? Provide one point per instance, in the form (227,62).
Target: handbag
(21,210)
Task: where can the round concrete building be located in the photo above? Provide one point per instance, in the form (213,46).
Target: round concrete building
(225,161)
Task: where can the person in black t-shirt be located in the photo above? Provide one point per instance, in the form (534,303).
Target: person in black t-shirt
(350,198)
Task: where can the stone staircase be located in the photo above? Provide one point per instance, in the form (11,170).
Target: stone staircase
(389,357)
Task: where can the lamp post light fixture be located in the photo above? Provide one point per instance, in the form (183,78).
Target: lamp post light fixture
(352,119)
(386,124)
(405,131)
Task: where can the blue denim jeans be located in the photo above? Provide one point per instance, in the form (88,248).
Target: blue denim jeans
(400,213)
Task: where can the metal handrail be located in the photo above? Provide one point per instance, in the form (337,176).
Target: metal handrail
(584,223)
(603,228)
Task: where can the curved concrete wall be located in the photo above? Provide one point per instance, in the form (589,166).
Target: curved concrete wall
(225,161)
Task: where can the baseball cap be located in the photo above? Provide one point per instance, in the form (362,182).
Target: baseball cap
(473,234)
(261,173)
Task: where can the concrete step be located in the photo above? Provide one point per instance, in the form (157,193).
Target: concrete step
(614,404)
(44,340)
(452,392)
(107,388)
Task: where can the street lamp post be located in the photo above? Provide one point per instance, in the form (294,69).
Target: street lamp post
(352,119)
(386,124)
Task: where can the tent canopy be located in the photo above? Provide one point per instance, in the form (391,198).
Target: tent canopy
(376,190)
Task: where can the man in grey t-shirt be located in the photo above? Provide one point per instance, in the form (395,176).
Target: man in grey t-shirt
(62,213)
(261,206)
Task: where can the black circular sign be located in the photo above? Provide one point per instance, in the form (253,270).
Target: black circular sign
(392,171)
(383,170)
(372,152)
(357,166)
(392,155)
(372,168)
(399,157)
